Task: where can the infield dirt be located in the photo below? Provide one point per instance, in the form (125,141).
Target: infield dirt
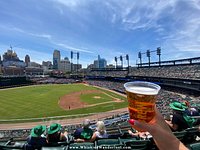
(73,101)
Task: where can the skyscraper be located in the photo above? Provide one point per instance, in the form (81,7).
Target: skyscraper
(100,63)
(56,59)
(27,60)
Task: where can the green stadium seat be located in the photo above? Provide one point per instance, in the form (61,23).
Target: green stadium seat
(10,147)
(127,139)
(195,146)
(10,144)
(180,135)
(108,144)
(81,146)
(113,132)
(191,134)
(137,144)
(58,144)
(55,148)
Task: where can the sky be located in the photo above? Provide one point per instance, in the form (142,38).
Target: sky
(109,28)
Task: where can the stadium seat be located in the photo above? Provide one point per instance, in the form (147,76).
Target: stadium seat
(195,146)
(54,148)
(124,130)
(58,144)
(113,132)
(10,147)
(191,134)
(10,144)
(180,135)
(108,144)
(127,139)
(81,146)
(137,144)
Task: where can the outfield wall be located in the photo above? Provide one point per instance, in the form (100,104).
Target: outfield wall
(7,82)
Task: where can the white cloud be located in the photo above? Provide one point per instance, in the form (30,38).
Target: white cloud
(186,37)
(69,3)
(142,15)
(47,36)
(16,29)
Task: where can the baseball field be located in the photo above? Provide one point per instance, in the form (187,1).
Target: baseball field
(42,101)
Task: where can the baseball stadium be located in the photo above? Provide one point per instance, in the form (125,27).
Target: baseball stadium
(99,75)
(96,95)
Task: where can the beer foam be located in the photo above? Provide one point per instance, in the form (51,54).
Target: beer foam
(142,90)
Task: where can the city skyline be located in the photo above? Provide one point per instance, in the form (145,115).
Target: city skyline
(106,28)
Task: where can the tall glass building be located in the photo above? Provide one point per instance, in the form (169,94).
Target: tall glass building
(56,59)
(100,63)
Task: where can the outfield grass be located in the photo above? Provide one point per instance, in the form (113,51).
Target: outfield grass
(42,101)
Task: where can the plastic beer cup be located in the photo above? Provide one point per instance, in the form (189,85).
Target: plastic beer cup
(141,99)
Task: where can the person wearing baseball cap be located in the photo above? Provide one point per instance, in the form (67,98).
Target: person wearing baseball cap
(55,134)
(178,123)
(37,139)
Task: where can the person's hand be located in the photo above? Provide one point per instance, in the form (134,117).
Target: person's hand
(162,134)
(79,140)
(168,122)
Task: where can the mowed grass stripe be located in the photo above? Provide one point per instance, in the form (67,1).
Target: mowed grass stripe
(42,101)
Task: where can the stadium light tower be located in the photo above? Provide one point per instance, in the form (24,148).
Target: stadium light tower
(140,57)
(159,53)
(127,58)
(121,59)
(71,59)
(148,55)
(116,62)
(77,57)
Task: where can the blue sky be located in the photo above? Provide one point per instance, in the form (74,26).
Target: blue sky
(107,28)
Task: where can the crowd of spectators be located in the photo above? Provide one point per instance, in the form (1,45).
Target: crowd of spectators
(23,133)
(41,136)
(178,71)
(163,100)
(18,133)
(114,73)
(118,86)
(182,72)
(50,80)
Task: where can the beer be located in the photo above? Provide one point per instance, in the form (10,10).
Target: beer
(141,100)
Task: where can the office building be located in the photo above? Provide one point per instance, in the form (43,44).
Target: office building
(56,59)
(65,65)
(47,64)
(100,63)
(27,59)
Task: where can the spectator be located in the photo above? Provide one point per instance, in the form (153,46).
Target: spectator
(100,133)
(84,133)
(178,122)
(161,133)
(192,111)
(55,134)
(36,139)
